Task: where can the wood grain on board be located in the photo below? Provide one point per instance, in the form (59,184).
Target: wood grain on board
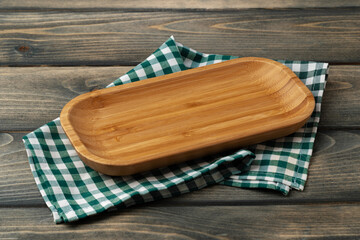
(128,37)
(325,221)
(31,96)
(171,4)
(331,176)
(120,34)
(177,117)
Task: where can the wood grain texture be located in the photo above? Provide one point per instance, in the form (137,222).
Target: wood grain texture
(167,4)
(339,221)
(31,96)
(341,107)
(173,118)
(332,177)
(123,33)
(127,37)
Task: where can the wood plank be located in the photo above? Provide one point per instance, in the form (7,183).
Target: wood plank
(333,177)
(166,4)
(341,102)
(32,96)
(340,221)
(127,37)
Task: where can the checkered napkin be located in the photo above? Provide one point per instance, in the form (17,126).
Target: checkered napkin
(73,191)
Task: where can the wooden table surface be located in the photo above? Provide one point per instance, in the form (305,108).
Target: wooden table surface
(51,52)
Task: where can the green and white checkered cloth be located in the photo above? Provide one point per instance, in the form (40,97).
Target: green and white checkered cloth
(73,191)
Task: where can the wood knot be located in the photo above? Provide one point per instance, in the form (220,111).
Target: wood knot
(187,133)
(23,48)
(5,139)
(194,104)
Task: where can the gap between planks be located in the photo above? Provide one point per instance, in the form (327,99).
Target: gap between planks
(173,203)
(132,65)
(39,5)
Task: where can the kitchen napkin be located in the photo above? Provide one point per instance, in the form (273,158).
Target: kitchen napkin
(73,191)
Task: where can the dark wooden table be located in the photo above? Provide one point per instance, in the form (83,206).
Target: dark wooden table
(52,51)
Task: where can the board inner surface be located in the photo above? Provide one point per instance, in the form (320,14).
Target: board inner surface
(186,112)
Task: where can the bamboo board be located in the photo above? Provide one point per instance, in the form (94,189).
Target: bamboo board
(173,118)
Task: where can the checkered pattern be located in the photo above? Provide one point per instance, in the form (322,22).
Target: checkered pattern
(283,163)
(73,191)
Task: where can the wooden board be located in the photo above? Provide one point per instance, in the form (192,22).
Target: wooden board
(32,96)
(177,117)
(341,106)
(331,179)
(114,33)
(127,37)
(319,221)
(167,4)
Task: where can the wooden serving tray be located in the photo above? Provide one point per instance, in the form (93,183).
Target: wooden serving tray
(173,118)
